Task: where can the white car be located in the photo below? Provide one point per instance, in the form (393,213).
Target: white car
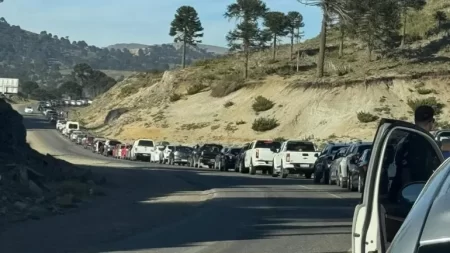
(28,109)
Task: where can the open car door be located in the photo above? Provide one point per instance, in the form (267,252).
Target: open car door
(380,214)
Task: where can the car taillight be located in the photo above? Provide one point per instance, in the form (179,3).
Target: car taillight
(257,153)
(288,157)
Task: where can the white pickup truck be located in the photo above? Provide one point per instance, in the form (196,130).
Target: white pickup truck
(260,156)
(295,157)
(142,149)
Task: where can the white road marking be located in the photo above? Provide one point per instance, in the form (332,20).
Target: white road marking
(329,193)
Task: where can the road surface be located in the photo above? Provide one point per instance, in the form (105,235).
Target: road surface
(173,209)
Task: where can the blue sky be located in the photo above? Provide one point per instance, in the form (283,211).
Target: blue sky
(106,22)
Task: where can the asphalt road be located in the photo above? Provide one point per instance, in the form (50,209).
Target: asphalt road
(173,209)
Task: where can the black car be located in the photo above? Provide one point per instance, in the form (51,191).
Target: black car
(205,154)
(322,164)
(226,159)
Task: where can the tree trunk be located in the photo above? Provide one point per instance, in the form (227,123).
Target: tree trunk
(323,42)
(246,52)
(404,27)
(292,45)
(183,58)
(274,53)
(341,42)
(298,60)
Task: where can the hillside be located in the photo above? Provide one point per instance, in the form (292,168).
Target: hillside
(134,47)
(210,101)
(45,57)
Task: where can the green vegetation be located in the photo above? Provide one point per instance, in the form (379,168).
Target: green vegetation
(228,104)
(127,91)
(431,101)
(280,139)
(174,97)
(262,104)
(366,117)
(424,91)
(196,88)
(264,124)
(227,85)
(186,28)
(194,126)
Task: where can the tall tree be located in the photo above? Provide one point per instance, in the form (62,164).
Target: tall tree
(329,8)
(187,28)
(72,89)
(406,5)
(440,17)
(247,33)
(377,22)
(295,22)
(276,23)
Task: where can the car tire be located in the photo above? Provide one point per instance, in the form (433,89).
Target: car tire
(252,168)
(220,167)
(308,175)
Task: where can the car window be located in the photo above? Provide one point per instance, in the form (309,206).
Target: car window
(267,144)
(361,148)
(113,143)
(335,149)
(234,151)
(409,157)
(211,147)
(145,143)
(300,146)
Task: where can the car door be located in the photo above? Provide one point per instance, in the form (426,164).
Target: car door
(373,219)
(248,155)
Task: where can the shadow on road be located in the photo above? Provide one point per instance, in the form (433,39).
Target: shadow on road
(129,217)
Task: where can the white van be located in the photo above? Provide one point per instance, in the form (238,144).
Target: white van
(142,149)
(71,126)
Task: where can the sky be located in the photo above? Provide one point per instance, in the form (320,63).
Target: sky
(106,22)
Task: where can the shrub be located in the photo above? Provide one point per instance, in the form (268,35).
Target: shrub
(443,125)
(196,88)
(424,91)
(240,122)
(194,126)
(228,104)
(215,127)
(175,97)
(366,117)
(280,139)
(127,91)
(264,124)
(229,84)
(431,101)
(262,104)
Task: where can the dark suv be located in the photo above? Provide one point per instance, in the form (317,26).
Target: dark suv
(206,154)
(322,164)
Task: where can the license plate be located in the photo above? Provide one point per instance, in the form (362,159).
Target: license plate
(213,160)
(145,154)
(304,165)
(184,160)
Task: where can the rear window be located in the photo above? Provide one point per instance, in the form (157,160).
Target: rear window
(235,151)
(267,144)
(161,148)
(211,147)
(145,143)
(73,126)
(300,146)
(170,147)
(113,143)
(335,149)
(183,149)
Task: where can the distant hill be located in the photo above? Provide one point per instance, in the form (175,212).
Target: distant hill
(136,46)
(46,58)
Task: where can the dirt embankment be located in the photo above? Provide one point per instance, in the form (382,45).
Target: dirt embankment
(33,185)
(302,111)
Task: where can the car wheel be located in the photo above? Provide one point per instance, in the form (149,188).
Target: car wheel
(220,167)
(360,185)
(252,168)
(282,171)
(308,175)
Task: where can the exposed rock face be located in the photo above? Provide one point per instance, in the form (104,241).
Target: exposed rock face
(31,184)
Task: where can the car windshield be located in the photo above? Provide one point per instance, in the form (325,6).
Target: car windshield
(113,143)
(267,144)
(300,146)
(145,143)
(161,148)
(234,151)
(73,126)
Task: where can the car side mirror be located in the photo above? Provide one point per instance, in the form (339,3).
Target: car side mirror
(411,192)
(316,155)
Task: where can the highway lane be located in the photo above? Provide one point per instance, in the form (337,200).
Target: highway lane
(162,208)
